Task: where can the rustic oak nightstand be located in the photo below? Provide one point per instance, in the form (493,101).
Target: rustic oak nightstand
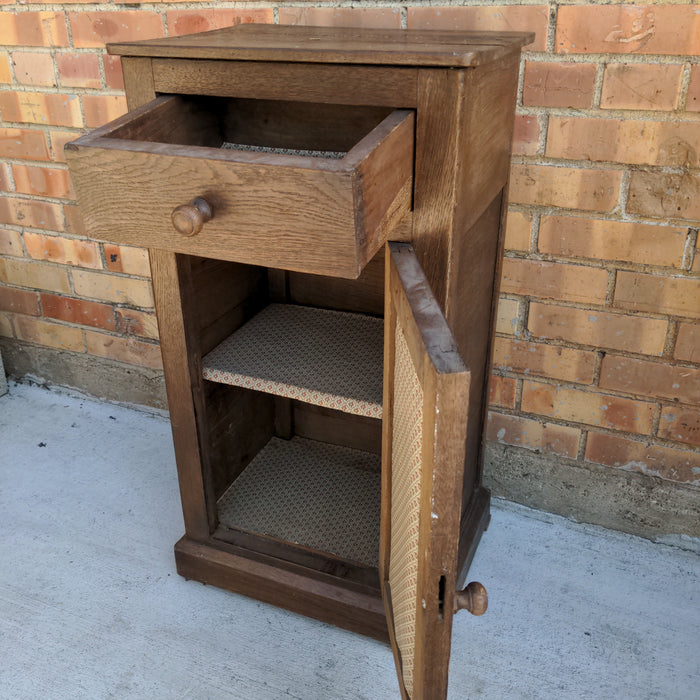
(324,210)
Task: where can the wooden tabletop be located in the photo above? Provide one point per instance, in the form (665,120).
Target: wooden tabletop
(391,47)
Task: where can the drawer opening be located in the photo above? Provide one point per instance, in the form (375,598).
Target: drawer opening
(305,187)
(292,370)
(263,126)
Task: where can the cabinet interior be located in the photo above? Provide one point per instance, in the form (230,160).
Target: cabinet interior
(297,479)
(215,122)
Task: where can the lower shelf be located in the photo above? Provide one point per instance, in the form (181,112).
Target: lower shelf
(316,495)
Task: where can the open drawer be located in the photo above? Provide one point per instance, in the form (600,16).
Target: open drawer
(298,186)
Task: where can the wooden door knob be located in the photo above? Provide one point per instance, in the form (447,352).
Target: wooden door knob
(188,219)
(473,598)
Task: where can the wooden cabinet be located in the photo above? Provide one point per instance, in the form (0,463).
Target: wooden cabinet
(324,212)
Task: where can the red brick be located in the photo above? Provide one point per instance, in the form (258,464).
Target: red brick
(692,101)
(636,456)
(518,230)
(19,301)
(94,29)
(598,239)
(35,275)
(46,182)
(79,311)
(677,296)
(47,333)
(502,391)
(526,135)
(537,359)
(598,329)
(128,350)
(58,140)
(664,195)
(646,378)
(33,29)
(680,424)
(131,261)
(624,141)
(688,343)
(532,434)
(100,109)
(33,68)
(643,29)
(106,287)
(587,407)
(641,86)
(31,213)
(507,317)
(23,143)
(519,18)
(113,72)
(192,21)
(5,182)
(79,70)
(382,18)
(131,322)
(5,73)
(548,280)
(41,108)
(68,251)
(572,188)
(10,242)
(559,84)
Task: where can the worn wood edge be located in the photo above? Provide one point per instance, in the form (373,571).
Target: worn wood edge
(272,583)
(444,442)
(475,521)
(440,345)
(335,45)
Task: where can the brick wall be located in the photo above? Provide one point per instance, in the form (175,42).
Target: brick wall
(598,349)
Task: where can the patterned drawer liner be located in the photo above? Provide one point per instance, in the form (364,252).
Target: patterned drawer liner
(322,496)
(323,357)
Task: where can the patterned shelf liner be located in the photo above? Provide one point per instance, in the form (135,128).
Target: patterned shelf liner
(323,357)
(322,496)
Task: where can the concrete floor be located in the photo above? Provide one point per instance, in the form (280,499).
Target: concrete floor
(91,605)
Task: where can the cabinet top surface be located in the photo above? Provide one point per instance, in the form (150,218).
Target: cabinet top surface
(397,47)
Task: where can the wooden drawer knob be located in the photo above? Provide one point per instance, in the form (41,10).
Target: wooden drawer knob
(188,219)
(473,598)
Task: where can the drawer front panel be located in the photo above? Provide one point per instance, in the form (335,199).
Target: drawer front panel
(266,215)
(310,214)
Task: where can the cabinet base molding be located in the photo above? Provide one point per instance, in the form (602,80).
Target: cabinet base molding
(286,585)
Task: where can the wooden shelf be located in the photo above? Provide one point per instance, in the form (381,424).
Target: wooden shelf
(320,496)
(323,357)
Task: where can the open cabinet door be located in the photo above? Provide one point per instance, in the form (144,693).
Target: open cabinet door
(426,391)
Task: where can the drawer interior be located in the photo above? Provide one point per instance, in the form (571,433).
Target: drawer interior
(289,128)
(294,462)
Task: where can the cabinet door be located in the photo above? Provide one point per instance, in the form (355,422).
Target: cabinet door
(426,390)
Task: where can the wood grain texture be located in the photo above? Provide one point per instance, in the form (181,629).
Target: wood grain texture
(264,80)
(182,366)
(365,577)
(272,580)
(364,295)
(445,383)
(138,81)
(264,42)
(327,425)
(291,212)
